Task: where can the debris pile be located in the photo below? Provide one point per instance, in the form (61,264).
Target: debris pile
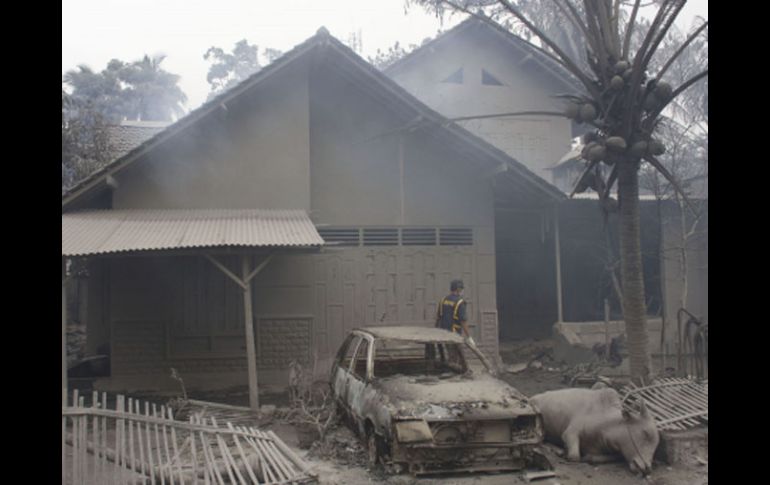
(677,404)
(340,445)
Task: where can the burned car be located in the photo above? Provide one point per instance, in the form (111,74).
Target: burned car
(427,402)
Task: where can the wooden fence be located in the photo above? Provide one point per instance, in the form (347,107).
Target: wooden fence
(139,442)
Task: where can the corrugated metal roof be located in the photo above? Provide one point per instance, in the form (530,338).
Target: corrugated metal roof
(594,196)
(112,231)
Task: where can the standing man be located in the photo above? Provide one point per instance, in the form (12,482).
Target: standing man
(451,314)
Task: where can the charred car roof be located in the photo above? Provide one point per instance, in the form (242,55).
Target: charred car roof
(412,333)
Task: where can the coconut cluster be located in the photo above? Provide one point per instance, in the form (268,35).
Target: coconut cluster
(598,147)
(581,112)
(607,112)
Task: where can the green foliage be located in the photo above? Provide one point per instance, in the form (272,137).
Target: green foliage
(383,59)
(84,140)
(152,93)
(140,90)
(230,68)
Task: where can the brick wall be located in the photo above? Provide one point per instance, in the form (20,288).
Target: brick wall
(282,340)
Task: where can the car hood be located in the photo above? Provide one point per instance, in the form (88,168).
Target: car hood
(478,396)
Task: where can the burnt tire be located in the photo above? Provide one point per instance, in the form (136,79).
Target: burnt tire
(339,411)
(374,448)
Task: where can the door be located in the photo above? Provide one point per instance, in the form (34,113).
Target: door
(341,369)
(356,383)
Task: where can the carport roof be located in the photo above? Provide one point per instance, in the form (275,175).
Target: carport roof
(120,231)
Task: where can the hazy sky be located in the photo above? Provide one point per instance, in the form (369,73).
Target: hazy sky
(95,31)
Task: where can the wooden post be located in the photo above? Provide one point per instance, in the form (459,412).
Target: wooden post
(606,329)
(63,333)
(559,305)
(251,351)
(401,176)
(244,281)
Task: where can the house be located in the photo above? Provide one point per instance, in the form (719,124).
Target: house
(551,274)
(477,69)
(314,197)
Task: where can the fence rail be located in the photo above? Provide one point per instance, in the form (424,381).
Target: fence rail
(138,442)
(675,404)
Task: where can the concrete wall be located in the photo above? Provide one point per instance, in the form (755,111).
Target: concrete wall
(359,287)
(254,154)
(537,142)
(359,169)
(160,316)
(182,312)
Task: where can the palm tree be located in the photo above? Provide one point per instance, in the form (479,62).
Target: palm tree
(103,90)
(623,101)
(152,92)
(140,90)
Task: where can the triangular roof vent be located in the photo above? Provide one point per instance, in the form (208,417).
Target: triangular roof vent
(455,78)
(488,79)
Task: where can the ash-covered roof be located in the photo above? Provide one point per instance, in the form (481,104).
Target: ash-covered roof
(115,231)
(520,45)
(369,77)
(130,134)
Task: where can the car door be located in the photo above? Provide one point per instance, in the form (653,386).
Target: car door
(358,379)
(341,369)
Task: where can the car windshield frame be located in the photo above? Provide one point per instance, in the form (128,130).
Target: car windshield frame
(440,350)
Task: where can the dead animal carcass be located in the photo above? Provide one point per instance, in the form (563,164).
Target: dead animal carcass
(593,427)
(416,399)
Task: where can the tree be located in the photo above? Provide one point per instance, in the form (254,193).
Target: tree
(686,136)
(622,98)
(140,90)
(383,59)
(152,93)
(230,68)
(102,90)
(84,140)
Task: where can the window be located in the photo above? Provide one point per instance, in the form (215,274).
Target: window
(207,314)
(395,236)
(458,236)
(345,354)
(359,369)
(340,236)
(488,79)
(401,357)
(381,237)
(455,78)
(418,236)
